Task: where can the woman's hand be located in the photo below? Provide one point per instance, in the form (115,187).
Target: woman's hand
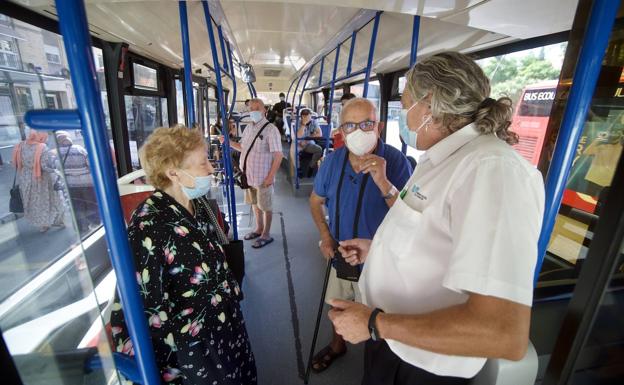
(355,251)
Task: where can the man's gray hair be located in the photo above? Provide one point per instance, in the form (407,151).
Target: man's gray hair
(358,103)
(257,100)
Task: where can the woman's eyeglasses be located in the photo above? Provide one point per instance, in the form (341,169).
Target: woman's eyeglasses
(349,127)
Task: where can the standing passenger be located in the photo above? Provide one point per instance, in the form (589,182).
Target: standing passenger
(448,278)
(366,168)
(37,174)
(189,294)
(265,157)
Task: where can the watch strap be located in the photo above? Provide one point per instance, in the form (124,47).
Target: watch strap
(372,327)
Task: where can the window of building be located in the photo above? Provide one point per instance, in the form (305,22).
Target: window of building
(53,55)
(8,54)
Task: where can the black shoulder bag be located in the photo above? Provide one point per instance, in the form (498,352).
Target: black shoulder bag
(16,205)
(343,269)
(233,250)
(242,178)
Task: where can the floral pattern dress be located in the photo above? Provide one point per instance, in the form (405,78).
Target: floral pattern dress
(190,297)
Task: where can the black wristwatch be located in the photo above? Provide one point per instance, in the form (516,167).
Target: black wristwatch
(372,328)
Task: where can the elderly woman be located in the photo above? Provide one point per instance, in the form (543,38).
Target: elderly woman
(448,279)
(75,164)
(36,175)
(190,295)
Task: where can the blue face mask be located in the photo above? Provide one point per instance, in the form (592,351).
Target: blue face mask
(202,186)
(409,137)
(256,116)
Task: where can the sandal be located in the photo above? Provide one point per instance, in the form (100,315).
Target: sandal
(252,235)
(261,243)
(324,358)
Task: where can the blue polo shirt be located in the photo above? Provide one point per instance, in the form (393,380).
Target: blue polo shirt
(374,207)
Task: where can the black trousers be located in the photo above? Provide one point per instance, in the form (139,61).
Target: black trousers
(383,367)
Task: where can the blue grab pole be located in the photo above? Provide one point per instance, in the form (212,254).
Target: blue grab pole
(289,88)
(230,56)
(297,118)
(53,120)
(75,31)
(186,52)
(371,53)
(331,97)
(223,54)
(221,101)
(351,50)
(320,81)
(586,74)
(413,55)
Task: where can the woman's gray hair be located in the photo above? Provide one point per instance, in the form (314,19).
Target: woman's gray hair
(460,94)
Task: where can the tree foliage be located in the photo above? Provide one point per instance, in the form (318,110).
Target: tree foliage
(510,75)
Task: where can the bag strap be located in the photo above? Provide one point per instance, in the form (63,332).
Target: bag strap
(223,239)
(66,154)
(358,207)
(252,144)
(19,149)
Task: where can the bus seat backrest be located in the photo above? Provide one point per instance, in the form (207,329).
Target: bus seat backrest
(505,372)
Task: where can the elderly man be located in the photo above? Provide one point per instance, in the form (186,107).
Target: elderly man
(356,184)
(261,155)
(309,128)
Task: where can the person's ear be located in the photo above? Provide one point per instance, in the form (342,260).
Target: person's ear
(172,174)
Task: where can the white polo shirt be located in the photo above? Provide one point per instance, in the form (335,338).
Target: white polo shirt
(468,220)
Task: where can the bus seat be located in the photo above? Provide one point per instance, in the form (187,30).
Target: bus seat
(505,372)
(132,191)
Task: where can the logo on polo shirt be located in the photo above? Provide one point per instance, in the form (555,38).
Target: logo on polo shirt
(417,194)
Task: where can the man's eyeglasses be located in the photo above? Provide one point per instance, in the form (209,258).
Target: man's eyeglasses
(349,127)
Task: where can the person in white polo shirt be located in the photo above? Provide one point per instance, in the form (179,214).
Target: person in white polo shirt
(448,279)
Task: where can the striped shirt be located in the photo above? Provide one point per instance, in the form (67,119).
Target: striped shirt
(261,154)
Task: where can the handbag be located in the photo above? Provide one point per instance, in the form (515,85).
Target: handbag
(233,250)
(59,185)
(16,205)
(241,178)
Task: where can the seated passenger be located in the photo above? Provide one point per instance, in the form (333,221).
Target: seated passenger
(448,278)
(336,134)
(309,128)
(369,168)
(189,293)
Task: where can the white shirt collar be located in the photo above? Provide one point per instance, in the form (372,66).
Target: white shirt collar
(447,146)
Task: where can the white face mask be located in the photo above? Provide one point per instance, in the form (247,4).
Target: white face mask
(360,142)
(256,116)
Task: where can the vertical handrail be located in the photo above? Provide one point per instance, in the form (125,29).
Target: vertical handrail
(186,52)
(74,28)
(371,53)
(223,54)
(331,96)
(320,80)
(584,82)
(229,50)
(297,119)
(351,51)
(289,88)
(413,55)
(226,143)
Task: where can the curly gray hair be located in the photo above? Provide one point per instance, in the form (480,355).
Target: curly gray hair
(460,94)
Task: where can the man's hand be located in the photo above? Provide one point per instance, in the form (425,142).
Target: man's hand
(268,181)
(328,246)
(355,251)
(376,166)
(350,320)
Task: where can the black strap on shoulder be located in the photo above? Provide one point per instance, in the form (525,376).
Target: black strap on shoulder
(358,207)
(66,154)
(252,144)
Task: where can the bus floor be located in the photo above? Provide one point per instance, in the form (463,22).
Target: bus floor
(282,289)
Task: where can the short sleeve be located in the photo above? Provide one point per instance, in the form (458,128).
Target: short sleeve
(495,221)
(321,180)
(274,138)
(399,170)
